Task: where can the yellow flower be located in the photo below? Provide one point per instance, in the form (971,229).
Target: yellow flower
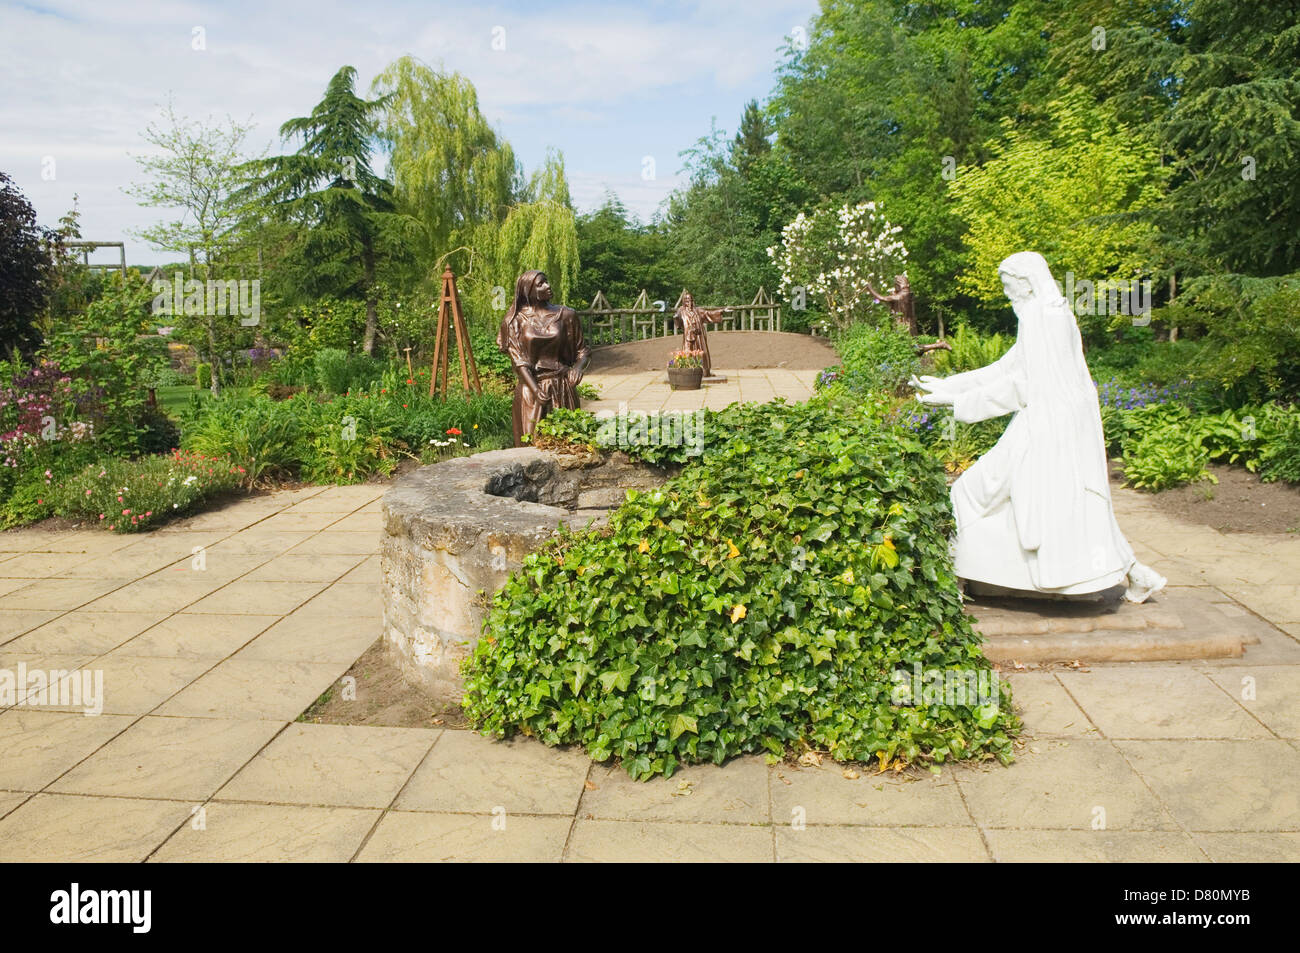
(732,551)
(737,613)
(644,547)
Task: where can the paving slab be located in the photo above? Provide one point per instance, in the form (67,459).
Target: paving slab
(85,631)
(197,636)
(644,841)
(733,793)
(1063,785)
(177,758)
(268,833)
(1161,702)
(1046,708)
(1094,847)
(71,828)
(1273,848)
(1222,785)
(823,795)
(332,765)
(884,845)
(312,638)
(255,689)
(425,838)
(41,745)
(468,773)
(1269,692)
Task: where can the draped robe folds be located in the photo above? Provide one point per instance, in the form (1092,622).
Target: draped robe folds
(1035,512)
(551,343)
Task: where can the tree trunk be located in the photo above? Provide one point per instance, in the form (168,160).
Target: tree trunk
(372,306)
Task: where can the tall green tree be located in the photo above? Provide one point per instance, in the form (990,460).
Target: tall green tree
(720,224)
(452,172)
(1074,192)
(620,256)
(196,169)
(25,270)
(539,231)
(348,230)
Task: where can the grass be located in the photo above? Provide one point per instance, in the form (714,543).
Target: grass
(176,398)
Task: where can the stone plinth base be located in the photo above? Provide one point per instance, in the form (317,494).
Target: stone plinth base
(1177,623)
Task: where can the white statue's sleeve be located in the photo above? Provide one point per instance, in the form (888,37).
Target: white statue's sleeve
(1003,394)
(980,376)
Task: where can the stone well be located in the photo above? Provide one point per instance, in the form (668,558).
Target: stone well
(455,530)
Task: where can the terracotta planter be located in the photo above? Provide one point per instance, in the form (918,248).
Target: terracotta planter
(685,378)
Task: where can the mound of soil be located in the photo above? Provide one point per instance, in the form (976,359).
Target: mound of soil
(730,351)
(384,698)
(1238,503)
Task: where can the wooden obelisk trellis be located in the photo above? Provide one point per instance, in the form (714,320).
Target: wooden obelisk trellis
(449,314)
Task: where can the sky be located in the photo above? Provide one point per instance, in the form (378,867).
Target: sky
(620,88)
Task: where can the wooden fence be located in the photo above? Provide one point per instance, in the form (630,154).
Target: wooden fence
(602,324)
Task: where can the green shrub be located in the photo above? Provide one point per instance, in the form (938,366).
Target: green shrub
(763,600)
(1166,456)
(876,359)
(1279,457)
(344,439)
(127,496)
(203,375)
(970,350)
(256,433)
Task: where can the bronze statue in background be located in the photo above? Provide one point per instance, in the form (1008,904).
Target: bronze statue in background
(692,320)
(900,302)
(546,348)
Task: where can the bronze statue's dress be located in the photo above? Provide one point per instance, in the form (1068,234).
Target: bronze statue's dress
(550,342)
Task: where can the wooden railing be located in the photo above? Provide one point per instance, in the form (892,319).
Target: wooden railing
(602,324)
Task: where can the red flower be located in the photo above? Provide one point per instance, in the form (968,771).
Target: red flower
(454,431)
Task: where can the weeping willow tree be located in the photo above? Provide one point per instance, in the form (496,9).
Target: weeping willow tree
(539,233)
(462,182)
(450,169)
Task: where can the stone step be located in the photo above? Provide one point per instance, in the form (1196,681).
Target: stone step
(1116,646)
(1179,623)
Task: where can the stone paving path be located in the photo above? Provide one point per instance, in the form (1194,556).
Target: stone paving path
(648,391)
(213,636)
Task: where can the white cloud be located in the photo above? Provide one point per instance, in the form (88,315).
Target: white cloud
(606,83)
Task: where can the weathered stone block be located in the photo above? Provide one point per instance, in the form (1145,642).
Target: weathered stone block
(454,531)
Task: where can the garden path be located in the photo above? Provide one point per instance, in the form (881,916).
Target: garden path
(213,635)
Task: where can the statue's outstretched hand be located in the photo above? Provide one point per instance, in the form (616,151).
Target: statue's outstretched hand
(929,398)
(930,390)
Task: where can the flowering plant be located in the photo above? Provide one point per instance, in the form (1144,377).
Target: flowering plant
(686,359)
(35,410)
(836,253)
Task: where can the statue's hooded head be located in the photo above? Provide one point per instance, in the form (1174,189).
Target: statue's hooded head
(1048,332)
(1026,277)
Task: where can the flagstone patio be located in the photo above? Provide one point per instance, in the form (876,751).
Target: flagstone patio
(214,635)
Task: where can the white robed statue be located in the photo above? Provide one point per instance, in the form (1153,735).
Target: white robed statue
(1035,513)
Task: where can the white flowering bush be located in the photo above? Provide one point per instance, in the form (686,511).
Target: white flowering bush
(834,253)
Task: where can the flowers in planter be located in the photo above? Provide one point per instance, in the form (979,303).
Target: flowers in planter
(686,359)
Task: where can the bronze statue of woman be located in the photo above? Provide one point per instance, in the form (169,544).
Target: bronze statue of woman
(692,320)
(546,348)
